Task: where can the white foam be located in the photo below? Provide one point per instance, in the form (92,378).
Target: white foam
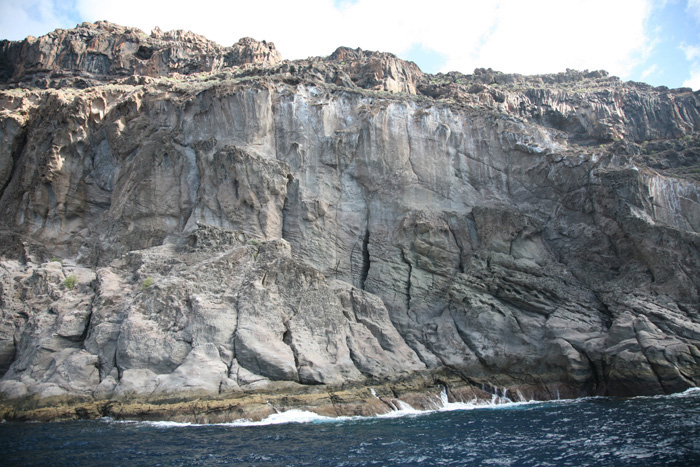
(404,406)
(290,416)
(166,424)
(497,402)
(687,393)
(159,424)
(402,409)
(442,404)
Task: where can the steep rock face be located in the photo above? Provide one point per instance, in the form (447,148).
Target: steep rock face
(298,231)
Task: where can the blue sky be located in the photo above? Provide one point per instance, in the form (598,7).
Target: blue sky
(675,31)
(654,41)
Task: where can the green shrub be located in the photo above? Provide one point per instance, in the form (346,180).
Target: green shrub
(254,241)
(70,282)
(147,282)
(56,260)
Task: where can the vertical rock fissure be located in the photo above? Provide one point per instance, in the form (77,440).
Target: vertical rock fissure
(289,340)
(408,280)
(191,172)
(234,336)
(460,247)
(5,366)
(86,332)
(364,271)
(597,375)
(286,207)
(16,153)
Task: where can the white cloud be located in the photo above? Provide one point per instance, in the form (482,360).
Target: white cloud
(549,36)
(536,36)
(649,71)
(692,52)
(22,18)
(694,80)
(694,9)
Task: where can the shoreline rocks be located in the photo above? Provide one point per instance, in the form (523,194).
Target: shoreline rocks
(420,392)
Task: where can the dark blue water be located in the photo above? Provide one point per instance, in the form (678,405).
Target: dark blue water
(641,431)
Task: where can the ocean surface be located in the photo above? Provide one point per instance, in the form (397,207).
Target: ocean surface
(654,431)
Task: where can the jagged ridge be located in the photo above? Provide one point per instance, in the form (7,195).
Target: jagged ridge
(94,53)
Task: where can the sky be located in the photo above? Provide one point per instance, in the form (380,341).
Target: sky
(652,41)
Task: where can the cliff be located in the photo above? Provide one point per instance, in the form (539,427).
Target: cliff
(183,221)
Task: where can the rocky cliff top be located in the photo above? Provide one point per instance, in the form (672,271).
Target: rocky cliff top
(91,54)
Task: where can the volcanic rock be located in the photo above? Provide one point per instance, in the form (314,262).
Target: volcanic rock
(182,220)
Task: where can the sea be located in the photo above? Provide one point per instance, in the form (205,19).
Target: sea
(653,431)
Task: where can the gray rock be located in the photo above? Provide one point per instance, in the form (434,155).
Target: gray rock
(278,231)
(202,370)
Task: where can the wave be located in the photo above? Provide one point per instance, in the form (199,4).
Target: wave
(289,416)
(690,392)
(399,409)
(153,423)
(686,393)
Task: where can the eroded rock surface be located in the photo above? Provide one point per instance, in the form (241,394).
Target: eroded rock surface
(343,221)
